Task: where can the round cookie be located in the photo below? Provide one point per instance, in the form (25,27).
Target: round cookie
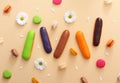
(37,19)
(7,74)
(100,63)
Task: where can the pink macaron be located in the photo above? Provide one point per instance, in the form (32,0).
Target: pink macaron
(100,63)
(57,2)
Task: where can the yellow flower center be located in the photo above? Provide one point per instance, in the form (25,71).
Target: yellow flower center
(40,63)
(22,18)
(70,16)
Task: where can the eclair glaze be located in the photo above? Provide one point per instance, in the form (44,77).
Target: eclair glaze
(97,31)
(62,43)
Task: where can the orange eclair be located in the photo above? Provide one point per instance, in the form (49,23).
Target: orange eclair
(62,43)
(82,44)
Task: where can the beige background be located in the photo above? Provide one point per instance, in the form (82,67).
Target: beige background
(86,11)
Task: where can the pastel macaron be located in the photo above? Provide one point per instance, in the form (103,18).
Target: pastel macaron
(7,74)
(100,63)
(57,2)
(37,19)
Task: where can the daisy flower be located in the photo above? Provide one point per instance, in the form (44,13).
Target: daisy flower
(22,18)
(40,63)
(69,16)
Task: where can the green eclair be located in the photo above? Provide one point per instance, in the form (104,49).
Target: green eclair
(28,45)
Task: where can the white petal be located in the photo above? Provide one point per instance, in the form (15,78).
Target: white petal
(74,17)
(38,60)
(41,68)
(66,14)
(73,13)
(69,20)
(20,22)
(37,66)
(35,62)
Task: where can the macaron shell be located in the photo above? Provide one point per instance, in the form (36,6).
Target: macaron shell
(57,2)
(100,63)
(7,74)
(37,19)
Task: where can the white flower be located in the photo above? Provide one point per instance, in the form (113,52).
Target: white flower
(70,16)
(22,18)
(40,63)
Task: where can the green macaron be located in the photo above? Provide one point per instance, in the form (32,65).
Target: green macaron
(37,19)
(7,74)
